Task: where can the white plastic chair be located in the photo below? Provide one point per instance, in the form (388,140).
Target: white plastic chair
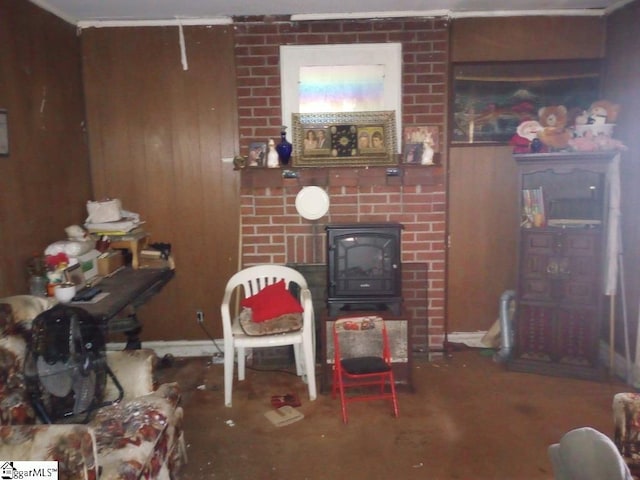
(587,454)
(253,279)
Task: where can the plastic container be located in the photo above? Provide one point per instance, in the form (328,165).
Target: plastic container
(38,286)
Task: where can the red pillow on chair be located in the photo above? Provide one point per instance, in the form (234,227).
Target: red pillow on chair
(271,302)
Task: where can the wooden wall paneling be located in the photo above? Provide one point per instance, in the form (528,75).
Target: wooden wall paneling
(158,137)
(163,127)
(482,255)
(526,38)
(111,98)
(44,183)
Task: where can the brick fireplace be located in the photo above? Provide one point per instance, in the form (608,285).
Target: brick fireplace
(272,231)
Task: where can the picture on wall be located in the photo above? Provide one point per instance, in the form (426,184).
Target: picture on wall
(491,100)
(341,139)
(420,144)
(317,141)
(257,154)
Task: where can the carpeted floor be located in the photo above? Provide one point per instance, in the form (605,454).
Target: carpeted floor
(468,418)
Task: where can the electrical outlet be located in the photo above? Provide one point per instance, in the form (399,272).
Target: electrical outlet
(199,316)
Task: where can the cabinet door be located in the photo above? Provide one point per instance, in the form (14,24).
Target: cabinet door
(582,249)
(538,248)
(560,266)
(535,332)
(577,336)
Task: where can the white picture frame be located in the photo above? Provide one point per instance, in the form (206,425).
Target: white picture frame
(386,56)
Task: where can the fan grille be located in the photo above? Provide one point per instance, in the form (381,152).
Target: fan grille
(66,365)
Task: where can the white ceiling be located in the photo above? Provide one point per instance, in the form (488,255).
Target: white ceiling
(96,11)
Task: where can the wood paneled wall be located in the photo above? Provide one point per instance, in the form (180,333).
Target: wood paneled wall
(45,181)
(526,38)
(158,136)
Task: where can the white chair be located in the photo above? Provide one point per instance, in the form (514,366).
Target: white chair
(253,279)
(586,454)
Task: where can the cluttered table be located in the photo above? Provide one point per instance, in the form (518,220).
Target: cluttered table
(126,290)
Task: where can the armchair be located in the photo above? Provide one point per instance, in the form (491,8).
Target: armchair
(139,437)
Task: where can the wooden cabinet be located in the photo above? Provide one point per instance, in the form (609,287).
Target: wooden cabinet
(561,261)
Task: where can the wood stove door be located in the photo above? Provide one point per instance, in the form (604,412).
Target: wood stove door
(366,264)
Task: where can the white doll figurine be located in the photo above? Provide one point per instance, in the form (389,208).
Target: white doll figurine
(272,155)
(427,150)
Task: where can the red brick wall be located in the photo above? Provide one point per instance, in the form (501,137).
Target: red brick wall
(272,231)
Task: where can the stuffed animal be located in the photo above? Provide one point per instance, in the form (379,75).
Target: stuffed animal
(576,116)
(554,116)
(590,142)
(553,133)
(525,134)
(602,112)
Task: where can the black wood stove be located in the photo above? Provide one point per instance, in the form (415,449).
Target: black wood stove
(364,268)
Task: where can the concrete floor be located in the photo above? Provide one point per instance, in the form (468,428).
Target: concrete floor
(468,418)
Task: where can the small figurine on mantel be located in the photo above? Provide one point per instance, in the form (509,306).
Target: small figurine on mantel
(272,155)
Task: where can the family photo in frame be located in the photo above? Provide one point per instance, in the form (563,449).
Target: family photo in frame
(353,138)
(257,154)
(421,144)
(317,141)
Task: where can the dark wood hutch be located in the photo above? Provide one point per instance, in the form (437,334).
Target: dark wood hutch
(561,266)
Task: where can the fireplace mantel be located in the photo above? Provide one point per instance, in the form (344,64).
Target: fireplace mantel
(261,177)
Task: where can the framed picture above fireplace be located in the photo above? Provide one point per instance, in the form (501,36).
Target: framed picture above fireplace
(344,139)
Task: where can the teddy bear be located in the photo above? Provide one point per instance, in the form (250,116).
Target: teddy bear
(553,133)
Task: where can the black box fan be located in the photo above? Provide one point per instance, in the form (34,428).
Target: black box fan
(66,367)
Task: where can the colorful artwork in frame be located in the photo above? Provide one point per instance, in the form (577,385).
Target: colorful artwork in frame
(490,100)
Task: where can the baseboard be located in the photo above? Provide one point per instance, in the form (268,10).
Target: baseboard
(179,348)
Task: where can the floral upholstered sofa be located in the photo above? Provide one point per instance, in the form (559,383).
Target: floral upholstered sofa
(139,436)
